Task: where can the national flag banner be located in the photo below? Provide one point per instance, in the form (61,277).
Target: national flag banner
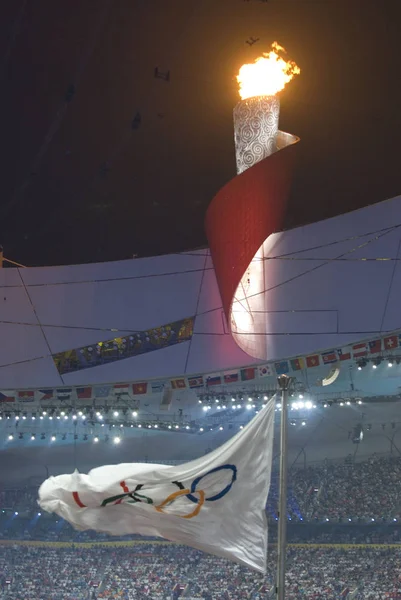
(282,367)
(231,377)
(181,503)
(102,391)
(344,353)
(390,342)
(45,394)
(157,387)
(297,364)
(84,393)
(329,357)
(265,371)
(7,396)
(121,389)
(375,346)
(312,361)
(26,396)
(64,393)
(248,374)
(359,350)
(213,379)
(140,388)
(195,382)
(178,384)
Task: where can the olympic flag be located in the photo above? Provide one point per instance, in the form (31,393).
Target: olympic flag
(215,503)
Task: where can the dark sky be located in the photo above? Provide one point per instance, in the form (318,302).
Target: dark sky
(78,184)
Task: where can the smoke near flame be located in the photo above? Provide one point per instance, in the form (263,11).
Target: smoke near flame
(267,75)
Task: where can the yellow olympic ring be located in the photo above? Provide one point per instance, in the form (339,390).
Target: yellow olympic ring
(176,495)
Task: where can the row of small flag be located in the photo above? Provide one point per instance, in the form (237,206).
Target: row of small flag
(361,350)
(356,351)
(81,393)
(121,390)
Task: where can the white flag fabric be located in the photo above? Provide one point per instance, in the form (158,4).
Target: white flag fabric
(215,503)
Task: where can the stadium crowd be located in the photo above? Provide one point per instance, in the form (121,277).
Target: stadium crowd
(329,505)
(167,571)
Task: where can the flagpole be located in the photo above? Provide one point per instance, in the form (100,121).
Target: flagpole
(284,383)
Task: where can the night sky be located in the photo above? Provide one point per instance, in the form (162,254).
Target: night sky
(82,182)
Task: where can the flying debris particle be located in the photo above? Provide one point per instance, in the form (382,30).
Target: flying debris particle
(165,75)
(104,169)
(136,121)
(251,41)
(70,93)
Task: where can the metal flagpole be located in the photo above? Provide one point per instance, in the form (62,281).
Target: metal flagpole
(284,383)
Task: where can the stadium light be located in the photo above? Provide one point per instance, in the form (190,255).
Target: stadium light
(116,440)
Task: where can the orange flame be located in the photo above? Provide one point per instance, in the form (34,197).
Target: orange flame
(267,75)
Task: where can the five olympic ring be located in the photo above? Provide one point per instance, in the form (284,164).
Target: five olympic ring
(134,497)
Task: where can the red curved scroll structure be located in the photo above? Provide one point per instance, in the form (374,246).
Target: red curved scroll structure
(243,214)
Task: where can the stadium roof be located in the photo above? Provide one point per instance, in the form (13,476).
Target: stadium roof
(104,157)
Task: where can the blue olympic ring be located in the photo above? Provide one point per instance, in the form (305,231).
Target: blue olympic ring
(223,492)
